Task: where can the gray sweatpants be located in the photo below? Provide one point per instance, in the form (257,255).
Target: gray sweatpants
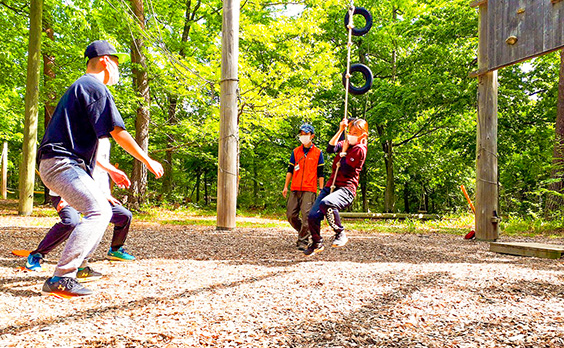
(69,179)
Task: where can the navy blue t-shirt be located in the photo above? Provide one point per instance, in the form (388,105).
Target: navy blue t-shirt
(86,112)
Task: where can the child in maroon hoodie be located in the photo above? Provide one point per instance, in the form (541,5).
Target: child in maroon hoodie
(340,189)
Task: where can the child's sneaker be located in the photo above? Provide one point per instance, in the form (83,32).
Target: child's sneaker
(34,262)
(314,248)
(64,287)
(340,240)
(87,274)
(120,255)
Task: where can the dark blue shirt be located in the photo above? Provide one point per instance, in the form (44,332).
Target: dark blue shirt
(86,112)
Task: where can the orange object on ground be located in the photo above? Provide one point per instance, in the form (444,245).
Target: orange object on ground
(468,198)
(21,252)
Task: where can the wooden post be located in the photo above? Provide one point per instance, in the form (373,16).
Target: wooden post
(487,220)
(5,170)
(27,168)
(229,132)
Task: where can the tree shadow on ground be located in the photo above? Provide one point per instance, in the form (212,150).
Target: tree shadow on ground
(380,324)
(274,247)
(354,329)
(361,327)
(9,285)
(130,305)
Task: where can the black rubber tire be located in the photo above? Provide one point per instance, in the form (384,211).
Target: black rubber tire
(367,17)
(368,78)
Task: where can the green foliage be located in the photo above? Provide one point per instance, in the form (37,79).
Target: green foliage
(422,103)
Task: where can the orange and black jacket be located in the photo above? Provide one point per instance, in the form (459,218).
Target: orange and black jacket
(306,166)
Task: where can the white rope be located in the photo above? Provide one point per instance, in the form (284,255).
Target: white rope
(350,26)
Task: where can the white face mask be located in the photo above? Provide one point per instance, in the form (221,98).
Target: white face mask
(305,139)
(353,139)
(114,73)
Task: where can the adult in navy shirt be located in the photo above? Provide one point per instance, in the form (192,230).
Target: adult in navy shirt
(67,156)
(340,190)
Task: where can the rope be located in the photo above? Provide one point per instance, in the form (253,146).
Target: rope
(350,26)
(349,45)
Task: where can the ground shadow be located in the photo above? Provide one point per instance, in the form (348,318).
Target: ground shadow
(130,305)
(271,247)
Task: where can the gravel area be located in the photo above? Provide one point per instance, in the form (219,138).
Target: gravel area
(193,286)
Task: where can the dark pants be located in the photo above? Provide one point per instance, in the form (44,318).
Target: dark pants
(70,217)
(328,204)
(300,201)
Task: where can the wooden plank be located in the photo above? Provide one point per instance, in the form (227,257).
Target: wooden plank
(537,25)
(547,251)
(362,215)
(555,26)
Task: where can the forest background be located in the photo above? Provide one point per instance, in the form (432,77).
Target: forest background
(421,108)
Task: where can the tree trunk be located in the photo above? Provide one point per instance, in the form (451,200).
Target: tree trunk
(364,187)
(141,82)
(406,197)
(255,181)
(389,196)
(29,151)
(168,177)
(198,176)
(48,77)
(554,202)
(206,193)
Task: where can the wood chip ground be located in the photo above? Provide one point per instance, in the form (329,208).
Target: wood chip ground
(193,286)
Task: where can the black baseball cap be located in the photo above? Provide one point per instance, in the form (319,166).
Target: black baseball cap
(100,48)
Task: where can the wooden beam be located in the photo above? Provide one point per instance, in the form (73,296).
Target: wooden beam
(477,73)
(477,3)
(486,143)
(361,215)
(228,156)
(547,251)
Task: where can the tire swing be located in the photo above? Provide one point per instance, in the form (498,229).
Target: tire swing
(361,68)
(368,78)
(367,18)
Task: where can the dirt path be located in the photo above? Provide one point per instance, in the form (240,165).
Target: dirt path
(193,286)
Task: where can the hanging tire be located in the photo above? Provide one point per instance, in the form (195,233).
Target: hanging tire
(367,17)
(368,79)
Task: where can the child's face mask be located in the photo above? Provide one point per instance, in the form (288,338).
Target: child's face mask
(353,139)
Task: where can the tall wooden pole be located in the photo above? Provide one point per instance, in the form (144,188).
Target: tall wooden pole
(487,209)
(27,168)
(228,157)
(5,170)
